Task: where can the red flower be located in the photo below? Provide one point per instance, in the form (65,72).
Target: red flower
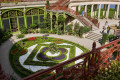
(32,39)
(14,52)
(23,52)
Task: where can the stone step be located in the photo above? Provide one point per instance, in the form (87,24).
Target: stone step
(94,36)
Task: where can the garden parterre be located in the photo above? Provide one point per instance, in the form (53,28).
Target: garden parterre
(29,56)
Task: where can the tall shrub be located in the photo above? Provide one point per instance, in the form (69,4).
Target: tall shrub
(23,29)
(77,9)
(47,3)
(104,38)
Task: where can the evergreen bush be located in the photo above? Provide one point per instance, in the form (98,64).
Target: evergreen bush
(23,29)
(104,38)
(20,36)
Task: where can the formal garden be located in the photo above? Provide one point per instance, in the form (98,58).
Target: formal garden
(38,53)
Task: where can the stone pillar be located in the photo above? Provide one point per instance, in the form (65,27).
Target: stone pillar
(95,10)
(107,12)
(25,21)
(104,10)
(117,11)
(79,8)
(92,10)
(99,10)
(86,8)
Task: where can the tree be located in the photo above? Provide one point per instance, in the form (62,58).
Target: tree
(78,29)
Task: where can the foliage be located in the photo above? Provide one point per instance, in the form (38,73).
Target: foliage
(104,38)
(53,48)
(47,3)
(59,32)
(61,18)
(33,26)
(69,27)
(42,25)
(77,9)
(110,36)
(44,31)
(23,29)
(86,29)
(4,35)
(20,36)
(110,73)
(79,29)
(54,31)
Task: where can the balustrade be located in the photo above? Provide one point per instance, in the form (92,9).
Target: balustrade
(94,21)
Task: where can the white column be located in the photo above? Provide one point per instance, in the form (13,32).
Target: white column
(79,8)
(86,8)
(99,10)
(95,10)
(107,13)
(92,10)
(117,11)
(104,10)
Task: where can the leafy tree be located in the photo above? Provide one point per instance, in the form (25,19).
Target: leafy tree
(53,48)
(80,29)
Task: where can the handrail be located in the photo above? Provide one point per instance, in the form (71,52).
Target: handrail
(90,58)
(94,21)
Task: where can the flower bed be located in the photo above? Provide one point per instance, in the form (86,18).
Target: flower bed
(35,56)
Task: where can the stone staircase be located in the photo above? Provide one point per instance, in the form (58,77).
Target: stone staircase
(59,6)
(94,36)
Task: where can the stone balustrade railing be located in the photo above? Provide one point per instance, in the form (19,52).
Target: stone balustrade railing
(90,63)
(94,21)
